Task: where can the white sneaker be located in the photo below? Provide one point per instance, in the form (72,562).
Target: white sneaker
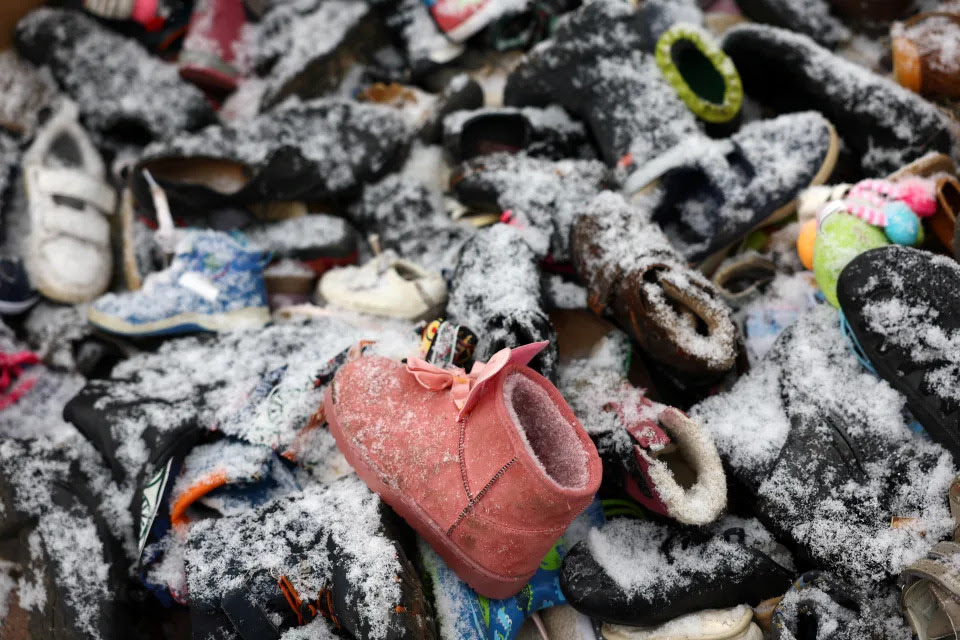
(709,624)
(68,252)
(386,286)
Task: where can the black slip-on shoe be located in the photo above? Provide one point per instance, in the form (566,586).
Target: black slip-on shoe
(645,573)
(903,306)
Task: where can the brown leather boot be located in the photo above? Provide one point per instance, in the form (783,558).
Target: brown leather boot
(673,312)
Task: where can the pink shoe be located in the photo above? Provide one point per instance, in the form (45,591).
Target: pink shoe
(209,55)
(489,467)
(460,19)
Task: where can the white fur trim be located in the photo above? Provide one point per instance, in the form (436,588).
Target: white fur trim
(705,500)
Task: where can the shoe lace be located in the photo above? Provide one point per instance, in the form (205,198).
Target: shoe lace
(307,611)
(12,385)
(166,235)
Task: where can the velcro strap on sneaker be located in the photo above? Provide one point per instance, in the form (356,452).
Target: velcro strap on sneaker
(63,220)
(72,183)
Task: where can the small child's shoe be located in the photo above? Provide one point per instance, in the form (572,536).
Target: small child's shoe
(213,284)
(490,467)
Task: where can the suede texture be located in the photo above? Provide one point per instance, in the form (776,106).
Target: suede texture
(478,487)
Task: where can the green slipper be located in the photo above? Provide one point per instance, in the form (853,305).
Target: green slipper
(700,72)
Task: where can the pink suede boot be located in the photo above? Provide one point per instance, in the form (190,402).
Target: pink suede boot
(489,467)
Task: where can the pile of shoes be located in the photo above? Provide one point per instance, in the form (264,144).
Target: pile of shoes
(480,320)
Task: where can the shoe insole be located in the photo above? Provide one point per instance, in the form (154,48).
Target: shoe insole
(683,304)
(406,273)
(698,71)
(682,473)
(493,134)
(746,277)
(222,176)
(64,153)
(949,195)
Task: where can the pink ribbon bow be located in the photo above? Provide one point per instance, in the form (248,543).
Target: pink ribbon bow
(466,387)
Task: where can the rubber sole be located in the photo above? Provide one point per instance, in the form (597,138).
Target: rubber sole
(8,308)
(249,318)
(929,416)
(49,287)
(484,582)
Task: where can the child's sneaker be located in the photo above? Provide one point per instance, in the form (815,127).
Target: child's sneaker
(645,573)
(386,286)
(213,284)
(69,200)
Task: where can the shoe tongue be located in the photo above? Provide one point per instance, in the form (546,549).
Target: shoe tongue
(650,436)
(641,423)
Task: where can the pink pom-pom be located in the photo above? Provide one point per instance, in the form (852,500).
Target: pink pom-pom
(919,194)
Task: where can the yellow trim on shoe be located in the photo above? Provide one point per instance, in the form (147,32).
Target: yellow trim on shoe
(705,44)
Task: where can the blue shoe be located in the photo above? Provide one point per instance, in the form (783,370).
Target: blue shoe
(16,294)
(213,284)
(466,615)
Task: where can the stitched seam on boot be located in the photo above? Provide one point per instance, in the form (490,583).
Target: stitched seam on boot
(463,469)
(474,501)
